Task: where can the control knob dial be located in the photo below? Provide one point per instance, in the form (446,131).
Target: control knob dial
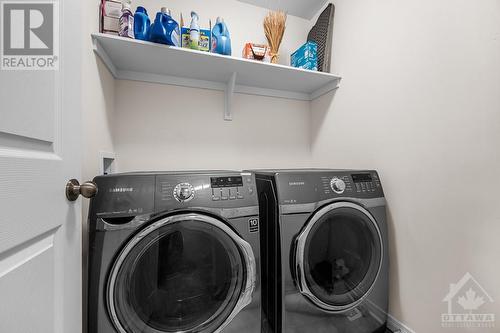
(337,185)
(183,192)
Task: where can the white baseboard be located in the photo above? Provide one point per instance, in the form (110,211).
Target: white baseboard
(396,326)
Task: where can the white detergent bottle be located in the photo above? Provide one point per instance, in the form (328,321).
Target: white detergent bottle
(194,32)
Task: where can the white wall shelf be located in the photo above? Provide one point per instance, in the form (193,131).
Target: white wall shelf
(129,59)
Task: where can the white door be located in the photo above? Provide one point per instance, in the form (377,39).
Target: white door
(40,230)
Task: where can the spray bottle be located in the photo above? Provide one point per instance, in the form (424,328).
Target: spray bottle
(194,32)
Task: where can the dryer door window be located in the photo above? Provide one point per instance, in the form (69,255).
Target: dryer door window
(184,273)
(338,256)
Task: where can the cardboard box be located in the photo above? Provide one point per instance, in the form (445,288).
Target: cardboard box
(112,9)
(258,52)
(110,24)
(205,39)
(109,16)
(306,57)
(205,43)
(185,37)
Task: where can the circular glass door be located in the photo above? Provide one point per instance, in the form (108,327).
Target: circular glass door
(184,273)
(338,256)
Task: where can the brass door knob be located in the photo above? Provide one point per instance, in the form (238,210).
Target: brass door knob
(74,189)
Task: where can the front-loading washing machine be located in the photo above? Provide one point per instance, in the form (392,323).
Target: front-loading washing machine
(174,252)
(324,251)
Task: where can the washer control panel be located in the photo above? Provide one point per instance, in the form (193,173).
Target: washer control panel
(228,188)
(184,192)
(337,185)
(205,190)
(147,192)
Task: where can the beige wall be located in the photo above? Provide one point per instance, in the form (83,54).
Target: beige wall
(420,102)
(161,127)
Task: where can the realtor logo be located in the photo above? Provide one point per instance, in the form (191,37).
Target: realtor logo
(30,39)
(465,299)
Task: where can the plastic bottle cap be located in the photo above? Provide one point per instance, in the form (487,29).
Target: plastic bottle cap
(141,9)
(194,21)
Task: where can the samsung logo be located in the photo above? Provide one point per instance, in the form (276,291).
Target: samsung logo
(296,183)
(121,189)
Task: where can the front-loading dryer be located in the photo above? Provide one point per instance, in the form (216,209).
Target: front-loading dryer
(324,251)
(174,252)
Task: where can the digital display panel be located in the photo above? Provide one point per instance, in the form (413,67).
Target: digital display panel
(218,182)
(361,177)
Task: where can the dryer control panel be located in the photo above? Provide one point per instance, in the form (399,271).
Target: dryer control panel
(366,182)
(358,183)
(314,186)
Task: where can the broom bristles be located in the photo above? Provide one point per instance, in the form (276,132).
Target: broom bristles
(274,28)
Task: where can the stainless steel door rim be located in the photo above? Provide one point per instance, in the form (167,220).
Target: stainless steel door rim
(300,249)
(248,255)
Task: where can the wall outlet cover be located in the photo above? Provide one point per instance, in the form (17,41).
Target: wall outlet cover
(107,163)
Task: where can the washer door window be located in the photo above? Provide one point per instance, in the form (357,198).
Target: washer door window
(184,273)
(338,256)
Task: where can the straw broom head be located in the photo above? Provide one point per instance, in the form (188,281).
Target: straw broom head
(274,28)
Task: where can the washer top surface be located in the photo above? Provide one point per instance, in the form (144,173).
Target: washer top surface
(175,172)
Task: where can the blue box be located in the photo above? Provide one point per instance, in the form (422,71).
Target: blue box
(205,39)
(306,56)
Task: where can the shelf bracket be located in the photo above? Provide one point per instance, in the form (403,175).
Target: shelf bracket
(228,98)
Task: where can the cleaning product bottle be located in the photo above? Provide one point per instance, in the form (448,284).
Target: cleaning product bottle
(221,41)
(126,20)
(142,23)
(194,32)
(165,29)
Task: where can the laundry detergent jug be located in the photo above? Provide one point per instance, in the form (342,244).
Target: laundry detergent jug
(221,41)
(165,29)
(142,24)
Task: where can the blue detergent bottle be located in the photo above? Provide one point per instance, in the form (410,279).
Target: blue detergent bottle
(165,30)
(142,23)
(221,41)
